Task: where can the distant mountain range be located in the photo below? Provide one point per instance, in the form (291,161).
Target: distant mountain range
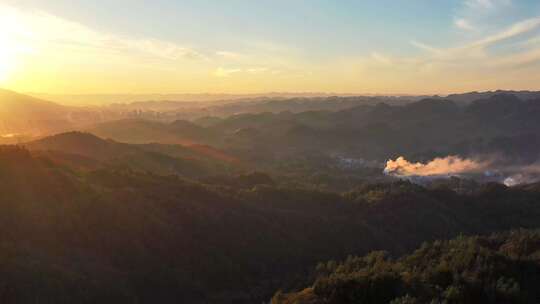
(502,123)
(144,101)
(466,98)
(366,127)
(105,99)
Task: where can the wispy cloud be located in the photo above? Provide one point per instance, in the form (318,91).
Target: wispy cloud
(151,47)
(532,41)
(486,4)
(257,70)
(472,14)
(477,53)
(518,60)
(516,29)
(226,72)
(494,60)
(479,44)
(463,24)
(381,58)
(425,47)
(228,55)
(40,32)
(479,3)
(477,48)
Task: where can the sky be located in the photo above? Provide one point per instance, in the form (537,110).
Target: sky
(257,46)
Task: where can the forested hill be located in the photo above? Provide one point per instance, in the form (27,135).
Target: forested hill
(501,268)
(116,235)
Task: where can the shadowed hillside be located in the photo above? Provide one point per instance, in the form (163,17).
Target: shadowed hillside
(156,158)
(142,131)
(119,235)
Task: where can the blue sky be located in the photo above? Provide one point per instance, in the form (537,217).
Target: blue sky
(319,37)
(342,25)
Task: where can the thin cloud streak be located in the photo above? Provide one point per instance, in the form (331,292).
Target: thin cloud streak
(44,31)
(463,24)
(515,30)
(477,49)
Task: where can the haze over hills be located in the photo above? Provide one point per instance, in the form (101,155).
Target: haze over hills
(22,114)
(154,169)
(26,117)
(499,128)
(105,99)
(419,130)
(145,131)
(472,96)
(34,111)
(216,99)
(237,206)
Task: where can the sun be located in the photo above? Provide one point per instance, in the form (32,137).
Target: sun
(11,27)
(7,60)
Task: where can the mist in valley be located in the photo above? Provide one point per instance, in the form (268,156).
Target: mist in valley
(281,152)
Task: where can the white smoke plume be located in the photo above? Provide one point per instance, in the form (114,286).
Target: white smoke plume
(493,170)
(450,165)
(526,175)
(515,180)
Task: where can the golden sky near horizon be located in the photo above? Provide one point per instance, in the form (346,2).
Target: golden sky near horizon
(46,53)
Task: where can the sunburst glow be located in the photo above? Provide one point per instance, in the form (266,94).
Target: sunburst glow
(11,46)
(44,48)
(7,60)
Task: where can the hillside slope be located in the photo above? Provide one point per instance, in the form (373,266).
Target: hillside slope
(116,235)
(501,268)
(22,114)
(156,158)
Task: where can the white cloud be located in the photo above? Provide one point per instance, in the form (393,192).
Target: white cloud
(516,29)
(487,4)
(228,54)
(473,59)
(41,32)
(532,41)
(226,72)
(480,15)
(518,60)
(257,70)
(425,47)
(463,24)
(478,46)
(381,58)
(479,3)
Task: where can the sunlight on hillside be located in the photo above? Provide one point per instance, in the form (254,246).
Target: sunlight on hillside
(277,152)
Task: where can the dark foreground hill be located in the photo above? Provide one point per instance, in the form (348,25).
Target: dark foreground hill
(501,268)
(122,236)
